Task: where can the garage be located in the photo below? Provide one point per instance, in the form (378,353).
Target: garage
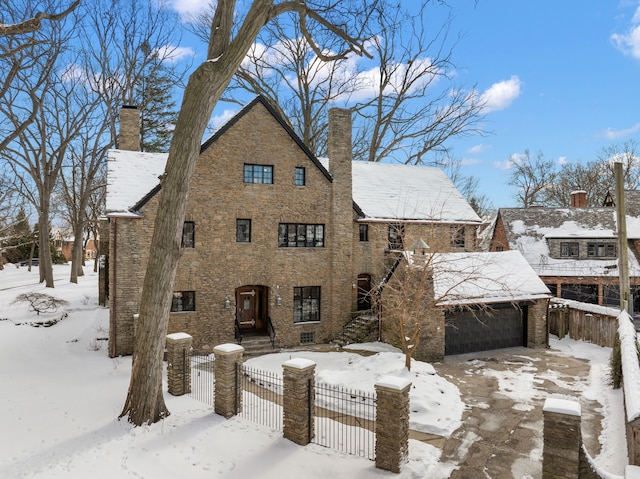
(469,330)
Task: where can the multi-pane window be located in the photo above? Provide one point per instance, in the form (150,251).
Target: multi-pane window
(396,233)
(188,234)
(364,232)
(183,301)
(601,250)
(299,177)
(300,235)
(457,236)
(243,230)
(258,173)
(569,249)
(306,304)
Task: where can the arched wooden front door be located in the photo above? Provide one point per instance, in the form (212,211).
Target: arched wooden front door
(252,309)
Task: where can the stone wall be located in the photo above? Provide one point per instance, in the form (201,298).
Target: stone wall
(537,336)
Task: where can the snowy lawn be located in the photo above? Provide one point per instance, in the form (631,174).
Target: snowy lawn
(61,396)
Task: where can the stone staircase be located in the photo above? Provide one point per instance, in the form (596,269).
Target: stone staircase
(257,346)
(362,329)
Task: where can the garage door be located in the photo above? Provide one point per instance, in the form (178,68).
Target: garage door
(470,331)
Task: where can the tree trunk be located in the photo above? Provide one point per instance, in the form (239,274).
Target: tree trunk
(44,250)
(76,255)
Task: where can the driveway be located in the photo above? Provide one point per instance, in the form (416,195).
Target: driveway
(504,390)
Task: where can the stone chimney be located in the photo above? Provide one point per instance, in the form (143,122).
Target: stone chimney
(341,230)
(579,199)
(129,138)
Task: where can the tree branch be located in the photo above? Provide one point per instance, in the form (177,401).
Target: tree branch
(33,24)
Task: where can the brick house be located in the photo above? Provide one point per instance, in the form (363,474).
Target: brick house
(573,250)
(276,242)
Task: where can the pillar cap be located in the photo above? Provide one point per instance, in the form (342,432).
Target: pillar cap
(393,382)
(562,406)
(228,348)
(178,336)
(299,363)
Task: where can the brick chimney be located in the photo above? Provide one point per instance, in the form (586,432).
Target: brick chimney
(341,232)
(129,138)
(579,199)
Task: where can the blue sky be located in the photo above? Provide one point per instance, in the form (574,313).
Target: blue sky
(562,78)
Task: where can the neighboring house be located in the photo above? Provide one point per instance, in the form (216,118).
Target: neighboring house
(573,250)
(275,241)
(63,243)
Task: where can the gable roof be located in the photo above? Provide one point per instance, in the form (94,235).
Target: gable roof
(483,278)
(528,229)
(132,176)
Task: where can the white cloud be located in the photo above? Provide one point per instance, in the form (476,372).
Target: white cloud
(470,161)
(563,160)
(189,7)
(480,148)
(612,134)
(219,120)
(629,42)
(500,95)
(507,164)
(173,54)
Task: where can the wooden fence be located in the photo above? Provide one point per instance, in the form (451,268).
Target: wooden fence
(597,325)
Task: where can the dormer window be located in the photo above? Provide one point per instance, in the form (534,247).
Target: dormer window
(569,249)
(601,250)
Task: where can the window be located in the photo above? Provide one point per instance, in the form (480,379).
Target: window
(569,249)
(307,338)
(258,173)
(396,232)
(364,232)
(457,236)
(499,248)
(298,179)
(306,304)
(601,250)
(183,301)
(188,234)
(243,230)
(300,235)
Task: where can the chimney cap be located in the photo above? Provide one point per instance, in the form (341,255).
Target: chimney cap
(130,107)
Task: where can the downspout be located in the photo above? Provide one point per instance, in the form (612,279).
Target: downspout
(623,250)
(113,330)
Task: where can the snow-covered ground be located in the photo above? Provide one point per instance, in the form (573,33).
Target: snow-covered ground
(61,396)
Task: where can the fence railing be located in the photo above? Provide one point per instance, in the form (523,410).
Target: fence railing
(202,379)
(345,420)
(368,424)
(261,396)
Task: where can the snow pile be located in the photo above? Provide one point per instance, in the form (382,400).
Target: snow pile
(630,367)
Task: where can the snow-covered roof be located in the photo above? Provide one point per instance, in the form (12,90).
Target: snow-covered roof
(529,229)
(382,191)
(482,278)
(393,191)
(130,176)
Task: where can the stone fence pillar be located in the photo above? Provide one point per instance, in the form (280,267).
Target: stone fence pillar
(562,439)
(298,400)
(179,363)
(228,389)
(392,423)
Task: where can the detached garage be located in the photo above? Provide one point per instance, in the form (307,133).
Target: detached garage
(483,301)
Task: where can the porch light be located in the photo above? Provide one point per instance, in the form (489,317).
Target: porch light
(278,300)
(227,303)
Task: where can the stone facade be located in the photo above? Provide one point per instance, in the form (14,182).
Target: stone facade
(179,364)
(219,269)
(228,390)
(392,423)
(298,399)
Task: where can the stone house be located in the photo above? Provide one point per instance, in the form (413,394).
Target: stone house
(276,242)
(573,250)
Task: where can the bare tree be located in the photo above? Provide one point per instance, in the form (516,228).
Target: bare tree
(406,104)
(35,155)
(226,51)
(33,24)
(531,176)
